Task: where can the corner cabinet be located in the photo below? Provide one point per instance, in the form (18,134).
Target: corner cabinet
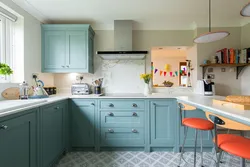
(67,48)
(53,122)
(18,145)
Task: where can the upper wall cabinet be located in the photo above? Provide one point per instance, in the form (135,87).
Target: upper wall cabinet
(67,48)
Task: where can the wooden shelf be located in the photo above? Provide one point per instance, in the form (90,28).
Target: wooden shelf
(239,67)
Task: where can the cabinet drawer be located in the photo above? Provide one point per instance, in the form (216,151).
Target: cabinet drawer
(122,119)
(78,102)
(121,104)
(119,137)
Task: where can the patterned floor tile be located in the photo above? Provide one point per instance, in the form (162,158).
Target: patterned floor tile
(141,159)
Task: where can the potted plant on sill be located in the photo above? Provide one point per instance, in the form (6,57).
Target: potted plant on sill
(146,78)
(5,70)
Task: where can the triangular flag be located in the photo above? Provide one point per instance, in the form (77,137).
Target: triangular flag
(152,68)
(156,70)
(165,73)
(176,73)
(161,73)
(171,73)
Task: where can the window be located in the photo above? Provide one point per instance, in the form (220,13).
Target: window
(6,44)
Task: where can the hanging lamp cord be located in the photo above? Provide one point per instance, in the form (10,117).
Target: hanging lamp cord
(209,19)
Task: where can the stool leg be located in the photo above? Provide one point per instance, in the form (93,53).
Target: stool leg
(201,149)
(218,162)
(182,147)
(243,162)
(195,145)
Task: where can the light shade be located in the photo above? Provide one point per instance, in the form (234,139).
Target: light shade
(211,37)
(245,11)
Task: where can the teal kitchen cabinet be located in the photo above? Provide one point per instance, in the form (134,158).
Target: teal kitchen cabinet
(82,123)
(53,132)
(67,48)
(18,144)
(206,135)
(163,129)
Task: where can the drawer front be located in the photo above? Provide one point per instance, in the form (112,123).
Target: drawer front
(78,102)
(119,137)
(122,119)
(121,104)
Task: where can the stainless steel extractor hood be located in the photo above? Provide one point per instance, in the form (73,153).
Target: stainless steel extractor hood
(123,31)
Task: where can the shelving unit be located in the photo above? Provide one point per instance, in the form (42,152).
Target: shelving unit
(239,67)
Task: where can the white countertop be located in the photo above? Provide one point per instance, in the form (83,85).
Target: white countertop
(206,104)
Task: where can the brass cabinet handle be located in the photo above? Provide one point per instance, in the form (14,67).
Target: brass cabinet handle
(134,131)
(111,131)
(3,127)
(134,105)
(134,114)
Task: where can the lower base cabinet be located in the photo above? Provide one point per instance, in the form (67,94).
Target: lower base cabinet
(18,144)
(82,124)
(53,133)
(163,129)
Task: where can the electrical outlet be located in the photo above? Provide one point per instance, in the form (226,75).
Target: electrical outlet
(210,76)
(79,77)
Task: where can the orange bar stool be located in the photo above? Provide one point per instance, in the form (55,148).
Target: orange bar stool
(233,144)
(198,124)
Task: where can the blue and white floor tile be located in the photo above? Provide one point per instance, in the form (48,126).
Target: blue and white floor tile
(140,159)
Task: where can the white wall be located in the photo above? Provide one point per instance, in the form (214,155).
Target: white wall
(226,82)
(245,77)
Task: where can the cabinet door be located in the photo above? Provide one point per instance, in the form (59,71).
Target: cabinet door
(54,50)
(52,136)
(162,121)
(91,54)
(77,51)
(206,135)
(18,141)
(82,120)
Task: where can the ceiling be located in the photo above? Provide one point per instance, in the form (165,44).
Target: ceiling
(147,14)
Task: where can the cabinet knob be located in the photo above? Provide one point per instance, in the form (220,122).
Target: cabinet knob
(63,66)
(110,114)
(134,131)
(111,105)
(154,104)
(56,108)
(134,114)
(67,66)
(134,105)
(93,104)
(3,127)
(111,131)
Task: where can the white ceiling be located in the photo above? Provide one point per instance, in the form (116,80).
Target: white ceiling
(147,14)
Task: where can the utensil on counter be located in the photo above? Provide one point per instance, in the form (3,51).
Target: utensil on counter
(98,85)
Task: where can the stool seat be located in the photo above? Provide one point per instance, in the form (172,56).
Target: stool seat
(236,145)
(198,123)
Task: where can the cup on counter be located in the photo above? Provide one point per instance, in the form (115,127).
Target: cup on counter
(97,90)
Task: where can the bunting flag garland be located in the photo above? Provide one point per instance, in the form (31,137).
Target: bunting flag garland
(156,70)
(171,73)
(176,73)
(165,73)
(152,68)
(161,73)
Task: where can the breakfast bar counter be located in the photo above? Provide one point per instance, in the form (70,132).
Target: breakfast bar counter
(205,103)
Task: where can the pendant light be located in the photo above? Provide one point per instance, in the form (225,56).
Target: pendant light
(245,11)
(211,36)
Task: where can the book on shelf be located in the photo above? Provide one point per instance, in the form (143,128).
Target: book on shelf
(243,56)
